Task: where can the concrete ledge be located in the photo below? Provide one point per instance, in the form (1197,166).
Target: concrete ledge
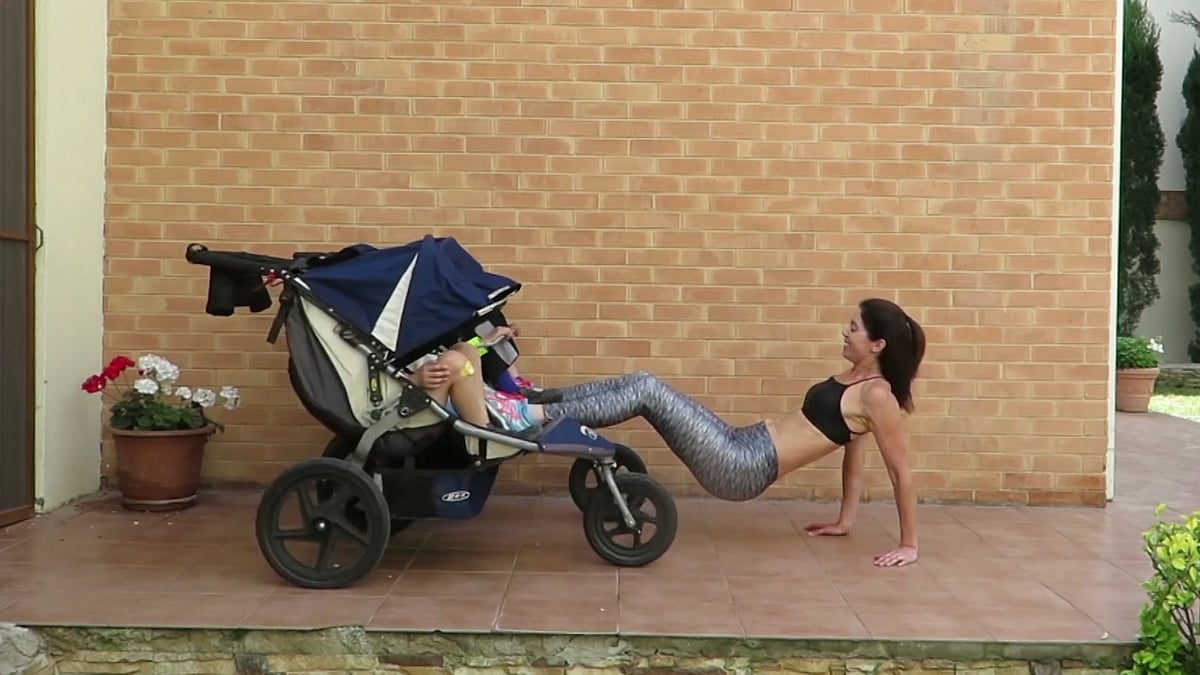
(356,651)
(1179,375)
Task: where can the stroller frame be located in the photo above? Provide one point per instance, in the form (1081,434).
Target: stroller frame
(363,495)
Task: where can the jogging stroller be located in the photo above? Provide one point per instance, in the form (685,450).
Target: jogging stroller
(356,320)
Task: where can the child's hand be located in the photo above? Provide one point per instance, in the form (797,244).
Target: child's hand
(432,375)
(500,333)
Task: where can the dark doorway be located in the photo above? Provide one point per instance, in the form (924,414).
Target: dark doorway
(17,243)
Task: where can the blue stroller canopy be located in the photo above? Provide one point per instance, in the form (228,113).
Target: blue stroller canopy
(407,296)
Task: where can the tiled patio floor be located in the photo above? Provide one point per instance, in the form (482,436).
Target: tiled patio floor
(1019,574)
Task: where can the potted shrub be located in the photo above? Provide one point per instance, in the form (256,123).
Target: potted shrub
(159,430)
(1137,371)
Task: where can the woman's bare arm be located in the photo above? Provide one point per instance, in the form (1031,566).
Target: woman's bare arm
(888,426)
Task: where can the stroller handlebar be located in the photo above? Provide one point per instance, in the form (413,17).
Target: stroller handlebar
(236,261)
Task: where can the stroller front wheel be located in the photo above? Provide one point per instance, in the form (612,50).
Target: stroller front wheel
(655,521)
(577,481)
(339,517)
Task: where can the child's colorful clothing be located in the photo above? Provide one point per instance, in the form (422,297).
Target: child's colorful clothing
(513,411)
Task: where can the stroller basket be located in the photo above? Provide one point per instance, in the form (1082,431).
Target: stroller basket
(356,321)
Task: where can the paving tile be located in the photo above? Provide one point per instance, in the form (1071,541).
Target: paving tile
(1062,625)
(20,577)
(473,536)
(567,558)
(1018,594)
(895,588)
(185,610)
(199,527)
(464,560)
(487,587)
(579,587)
(15,532)
(446,613)
(583,615)
(687,558)
(105,607)
(258,580)
(377,583)
(73,607)
(229,555)
(679,617)
(816,591)
(789,557)
(46,553)
(313,609)
(646,589)
(791,619)
(887,621)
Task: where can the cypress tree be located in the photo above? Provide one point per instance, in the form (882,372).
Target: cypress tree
(1188,142)
(1142,145)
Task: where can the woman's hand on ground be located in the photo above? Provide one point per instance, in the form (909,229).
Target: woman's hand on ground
(827,530)
(897,557)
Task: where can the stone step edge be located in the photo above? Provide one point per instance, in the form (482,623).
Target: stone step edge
(555,650)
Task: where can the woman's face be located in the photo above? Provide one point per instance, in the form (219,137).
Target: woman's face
(857,346)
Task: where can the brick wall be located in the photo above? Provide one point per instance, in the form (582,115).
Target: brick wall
(700,188)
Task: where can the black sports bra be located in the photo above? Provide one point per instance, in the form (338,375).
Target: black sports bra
(823,407)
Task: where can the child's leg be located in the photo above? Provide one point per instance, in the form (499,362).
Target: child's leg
(731,463)
(465,386)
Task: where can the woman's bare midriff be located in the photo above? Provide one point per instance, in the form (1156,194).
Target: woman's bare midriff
(797,442)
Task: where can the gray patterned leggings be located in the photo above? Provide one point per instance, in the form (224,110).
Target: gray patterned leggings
(731,463)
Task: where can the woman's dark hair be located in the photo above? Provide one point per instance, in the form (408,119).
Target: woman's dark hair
(901,356)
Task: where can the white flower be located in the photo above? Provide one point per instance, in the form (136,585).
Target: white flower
(156,366)
(1156,345)
(184,393)
(232,396)
(167,372)
(205,397)
(145,385)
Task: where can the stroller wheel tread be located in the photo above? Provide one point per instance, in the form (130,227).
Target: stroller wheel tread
(602,521)
(348,508)
(583,468)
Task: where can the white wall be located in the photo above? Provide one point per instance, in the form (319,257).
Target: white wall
(71,80)
(1170,316)
(1175,44)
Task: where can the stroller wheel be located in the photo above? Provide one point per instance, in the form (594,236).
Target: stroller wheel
(577,481)
(655,521)
(328,511)
(340,447)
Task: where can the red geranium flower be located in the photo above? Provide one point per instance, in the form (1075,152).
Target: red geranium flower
(116,367)
(94,384)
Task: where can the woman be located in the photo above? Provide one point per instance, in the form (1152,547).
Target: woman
(884,347)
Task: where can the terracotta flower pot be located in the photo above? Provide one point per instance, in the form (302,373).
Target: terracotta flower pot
(159,470)
(1135,387)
